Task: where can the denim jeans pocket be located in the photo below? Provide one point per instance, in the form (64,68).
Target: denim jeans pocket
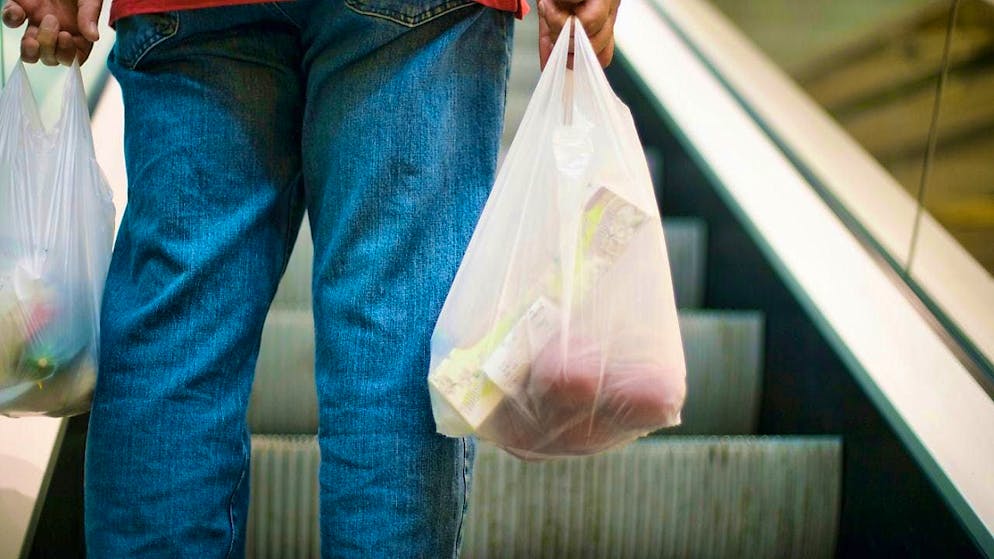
(137,35)
(406,12)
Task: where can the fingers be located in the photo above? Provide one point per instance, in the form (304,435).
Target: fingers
(596,16)
(65,48)
(605,56)
(603,41)
(13,14)
(29,45)
(83,48)
(48,35)
(545,42)
(52,46)
(554,15)
(89,11)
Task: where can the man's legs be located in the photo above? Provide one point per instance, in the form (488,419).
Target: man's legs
(213,104)
(402,130)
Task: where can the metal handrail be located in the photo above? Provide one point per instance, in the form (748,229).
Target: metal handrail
(979,362)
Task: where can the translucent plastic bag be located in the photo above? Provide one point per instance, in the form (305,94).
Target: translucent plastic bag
(56,234)
(559,335)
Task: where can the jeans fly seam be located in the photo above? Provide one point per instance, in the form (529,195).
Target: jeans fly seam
(231,499)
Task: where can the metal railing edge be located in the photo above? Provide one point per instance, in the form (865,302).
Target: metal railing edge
(972,357)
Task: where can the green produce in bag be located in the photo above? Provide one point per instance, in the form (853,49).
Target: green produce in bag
(56,234)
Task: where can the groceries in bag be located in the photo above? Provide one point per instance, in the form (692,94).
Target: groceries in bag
(560,336)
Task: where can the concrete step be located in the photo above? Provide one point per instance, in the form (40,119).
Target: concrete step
(723,351)
(688,497)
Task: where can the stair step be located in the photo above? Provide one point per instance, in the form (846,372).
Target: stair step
(723,351)
(724,362)
(710,497)
(686,247)
(295,288)
(284,398)
(283,503)
(686,244)
(687,497)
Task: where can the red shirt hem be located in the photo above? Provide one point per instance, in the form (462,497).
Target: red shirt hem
(125,8)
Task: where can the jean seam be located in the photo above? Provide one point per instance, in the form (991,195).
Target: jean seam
(231,500)
(464,505)
(288,245)
(407,21)
(153,42)
(508,53)
(277,7)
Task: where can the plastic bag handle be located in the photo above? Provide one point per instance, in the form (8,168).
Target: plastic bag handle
(3,60)
(568,78)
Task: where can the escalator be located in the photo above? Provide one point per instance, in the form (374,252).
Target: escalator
(791,446)
(781,453)
(684,486)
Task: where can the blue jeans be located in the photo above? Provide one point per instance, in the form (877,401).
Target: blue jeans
(382,119)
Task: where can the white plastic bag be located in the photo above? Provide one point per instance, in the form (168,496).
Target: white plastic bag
(559,335)
(56,228)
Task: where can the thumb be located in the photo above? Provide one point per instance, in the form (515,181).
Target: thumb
(544,42)
(89,11)
(13,14)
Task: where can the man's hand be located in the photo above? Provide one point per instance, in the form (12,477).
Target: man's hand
(597,17)
(58,31)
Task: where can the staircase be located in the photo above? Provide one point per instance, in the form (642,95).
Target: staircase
(710,488)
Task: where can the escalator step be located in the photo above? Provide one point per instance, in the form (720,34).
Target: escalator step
(690,497)
(723,351)
(686,246)
(710,497)
(284,398)
(295,288)
(283,507)
(724,362)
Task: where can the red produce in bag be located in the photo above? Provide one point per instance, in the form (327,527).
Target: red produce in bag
(559,336)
